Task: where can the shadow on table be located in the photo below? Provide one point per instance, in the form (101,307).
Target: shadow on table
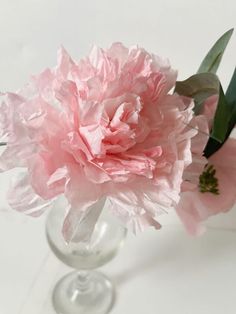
(176,252)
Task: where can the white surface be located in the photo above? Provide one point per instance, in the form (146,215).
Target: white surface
(158,272)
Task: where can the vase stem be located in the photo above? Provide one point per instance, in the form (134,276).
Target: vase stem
(82,284)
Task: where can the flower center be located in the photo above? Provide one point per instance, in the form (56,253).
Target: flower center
(208,182)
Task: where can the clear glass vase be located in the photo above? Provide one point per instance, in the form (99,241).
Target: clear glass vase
(84,291)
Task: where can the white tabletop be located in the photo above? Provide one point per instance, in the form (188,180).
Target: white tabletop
(162,272)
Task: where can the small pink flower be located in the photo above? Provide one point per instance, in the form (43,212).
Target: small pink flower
(105,127)
(195,206)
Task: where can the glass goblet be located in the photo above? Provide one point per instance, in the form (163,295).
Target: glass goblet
(84,291)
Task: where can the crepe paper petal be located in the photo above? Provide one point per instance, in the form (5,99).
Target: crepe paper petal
(104,127)
(22,198)
(80,222)
(58,175)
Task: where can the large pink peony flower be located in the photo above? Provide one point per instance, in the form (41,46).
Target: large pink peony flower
(104,127)
(203,198)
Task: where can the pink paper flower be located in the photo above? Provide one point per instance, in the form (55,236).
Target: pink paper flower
(104,127)
(201,197)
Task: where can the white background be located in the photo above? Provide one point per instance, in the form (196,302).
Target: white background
(158,272)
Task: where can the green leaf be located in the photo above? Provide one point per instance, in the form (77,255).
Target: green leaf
(222,118)
(199,87)
(212,60)
(222,125)
(3,144)
(231,98)
(231,91)
(232,120)
(211,147)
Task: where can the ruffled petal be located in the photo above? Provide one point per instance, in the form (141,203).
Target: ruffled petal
(21,197)
(65,63)
(46,179)
(103,127)
(80,222)
(83,212)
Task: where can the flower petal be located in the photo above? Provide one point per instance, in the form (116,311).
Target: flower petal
(22,197)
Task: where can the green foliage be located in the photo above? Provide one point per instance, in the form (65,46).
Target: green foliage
(231,98)
(213,58)
(204,84)
(199,87)
(222,118)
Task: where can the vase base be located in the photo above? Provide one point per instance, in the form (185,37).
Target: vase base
(93,296)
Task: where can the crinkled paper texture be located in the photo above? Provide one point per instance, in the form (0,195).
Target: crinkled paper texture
(103,127)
